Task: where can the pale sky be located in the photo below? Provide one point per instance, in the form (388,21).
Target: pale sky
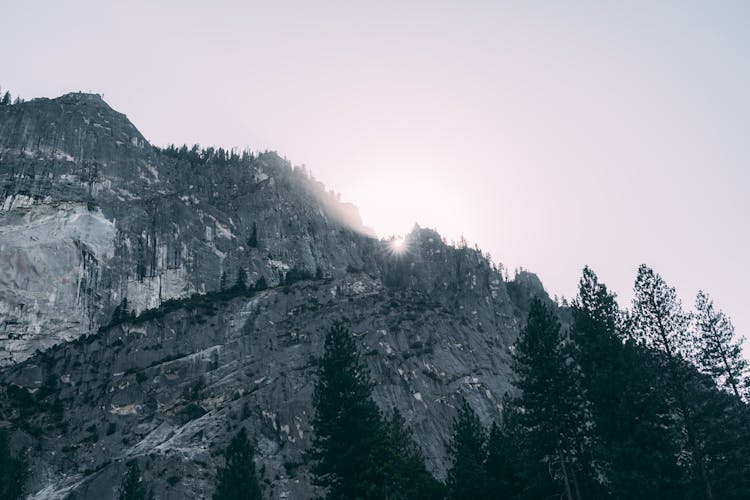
(551,134)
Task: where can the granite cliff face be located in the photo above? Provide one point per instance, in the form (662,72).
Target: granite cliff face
(92,214)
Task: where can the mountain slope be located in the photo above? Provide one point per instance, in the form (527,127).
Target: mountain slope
(88,204)
(93,214)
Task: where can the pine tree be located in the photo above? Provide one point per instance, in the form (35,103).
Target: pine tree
(630,452)
(121,312)
(468,448)
(6,99)
(642,441)
(223,281)
(597,346)
(237,479)
(718,351)
(552,412)
(14,471)
(504,474)
(252,241)
(598,352)
(658,322)
(723,429)
(405,474)
(241,283)
(348,443)
(261,284)
(132,486)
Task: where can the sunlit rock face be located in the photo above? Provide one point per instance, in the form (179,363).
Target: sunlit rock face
(92,214)
(50,255)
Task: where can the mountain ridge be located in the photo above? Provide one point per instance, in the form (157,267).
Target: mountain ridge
(92,222)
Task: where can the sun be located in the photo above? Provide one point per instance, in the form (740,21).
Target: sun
(398,245)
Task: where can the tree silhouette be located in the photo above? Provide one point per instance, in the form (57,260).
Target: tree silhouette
(132,486)
(237,479)
(631,421)
(252,241)
(467,475)
(718,351)
(348,440)
(241,283)
(13,471)
(553,414)
(659,322)
(405,472)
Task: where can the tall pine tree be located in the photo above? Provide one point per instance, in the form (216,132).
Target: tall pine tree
(133,487)
(504,450)
(659,322)
(718,350)
(552,413)
(14,470)
(468,452)
(405,472)
(348,443)
(631,455)
(237,479)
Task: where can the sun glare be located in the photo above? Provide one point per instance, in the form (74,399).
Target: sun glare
(398,245)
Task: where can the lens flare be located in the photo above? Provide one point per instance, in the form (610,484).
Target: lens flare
(398,245)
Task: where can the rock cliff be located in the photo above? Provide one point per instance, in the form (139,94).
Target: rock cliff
(94,219)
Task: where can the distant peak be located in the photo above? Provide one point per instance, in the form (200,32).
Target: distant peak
(80,124)
(81,96)
(83,99)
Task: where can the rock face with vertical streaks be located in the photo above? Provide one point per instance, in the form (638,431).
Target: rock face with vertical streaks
(94,220)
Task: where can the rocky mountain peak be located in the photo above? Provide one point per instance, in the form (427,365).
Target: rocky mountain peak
(77,127)
(130,304)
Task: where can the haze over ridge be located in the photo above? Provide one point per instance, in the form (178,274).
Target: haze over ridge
(600,135)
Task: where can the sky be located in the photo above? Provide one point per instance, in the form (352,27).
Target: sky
(551,134)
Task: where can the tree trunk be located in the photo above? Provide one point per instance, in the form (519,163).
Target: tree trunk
(576,490)
(706,483)
(568,493)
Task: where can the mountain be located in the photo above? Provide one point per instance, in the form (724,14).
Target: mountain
(123,337)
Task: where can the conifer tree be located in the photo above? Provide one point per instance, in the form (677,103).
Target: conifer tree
(504,467)
(121,312)
(631,454)
(718,351)
(241,283)
(6,99)
(552,412)
(468,449)
(13,471)
(596,346)
(405,472)
(237,479)
(348,443)
(261,284)
(252,241)
(722,427)
(132,486)
(658,322)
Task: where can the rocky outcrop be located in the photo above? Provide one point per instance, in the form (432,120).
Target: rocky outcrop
(93,214)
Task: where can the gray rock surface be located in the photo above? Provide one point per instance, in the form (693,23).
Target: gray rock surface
(92,214)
